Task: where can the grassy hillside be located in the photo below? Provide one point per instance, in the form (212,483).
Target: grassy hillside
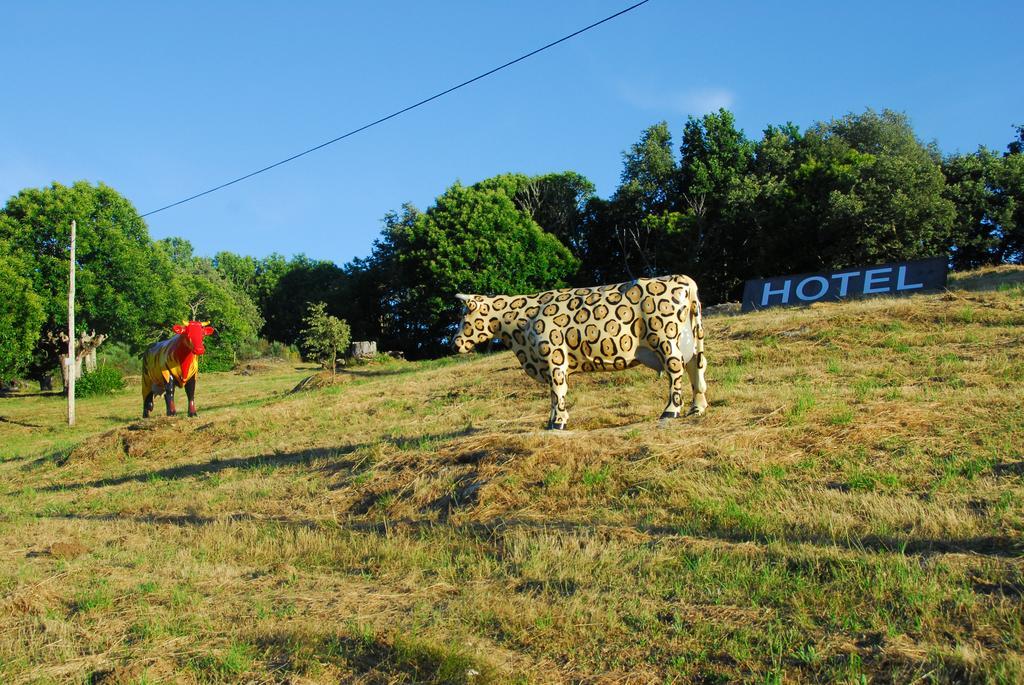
(849,510)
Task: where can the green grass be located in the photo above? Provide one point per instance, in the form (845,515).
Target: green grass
(842,416)
(93,598)
(802,405)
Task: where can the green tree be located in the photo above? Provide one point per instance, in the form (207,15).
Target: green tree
(556,202)
(302,281)
(21,316)
(638,215)
(713,240)
(972,187)
(125,286)
(474,239)
(363,299)
(650,170)
(764,207)
(218,300)
(179,250)
(1010,181)
(1016,147)
(241,270)
(257,278)
(623,236)
(374,290)
(324,336)
(876,193)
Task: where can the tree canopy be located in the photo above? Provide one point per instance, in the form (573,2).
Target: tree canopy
(473,239)
(300,282)
(120,274)
(21,316)
(216,299)
(717,205)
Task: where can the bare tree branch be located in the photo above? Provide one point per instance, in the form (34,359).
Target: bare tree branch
(194,306)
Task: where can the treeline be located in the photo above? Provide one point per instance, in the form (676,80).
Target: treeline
(128,287)
(718,206)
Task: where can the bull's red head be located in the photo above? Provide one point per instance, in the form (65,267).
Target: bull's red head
(193,333)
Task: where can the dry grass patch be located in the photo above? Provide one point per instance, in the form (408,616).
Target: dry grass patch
(849,510)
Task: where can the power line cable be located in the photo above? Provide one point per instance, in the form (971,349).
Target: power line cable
(402,111)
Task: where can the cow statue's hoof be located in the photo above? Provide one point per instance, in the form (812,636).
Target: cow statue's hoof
(669,415)
(193,414)
(552,426)
(696,411)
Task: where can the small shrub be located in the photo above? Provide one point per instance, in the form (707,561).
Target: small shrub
(105,380)
(324,336)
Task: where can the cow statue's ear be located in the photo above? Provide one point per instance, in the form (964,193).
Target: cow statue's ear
(178,328)
(209,330)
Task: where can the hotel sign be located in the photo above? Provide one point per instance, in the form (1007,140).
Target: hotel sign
(900,278)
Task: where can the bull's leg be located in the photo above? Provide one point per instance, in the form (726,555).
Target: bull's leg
(695,370)
(673,365)
(169,398)
(147,404)
(559,388)
(190,390)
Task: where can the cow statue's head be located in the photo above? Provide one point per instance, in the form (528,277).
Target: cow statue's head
(478,324)
(193,332)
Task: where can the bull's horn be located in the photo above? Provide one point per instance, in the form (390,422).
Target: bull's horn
(463,297)
(204,324)
(184,323)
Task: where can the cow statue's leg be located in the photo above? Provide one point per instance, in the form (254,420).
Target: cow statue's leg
(169,398)
(695,370)
(673,364)
(147,404)
(559,388)
(190,390)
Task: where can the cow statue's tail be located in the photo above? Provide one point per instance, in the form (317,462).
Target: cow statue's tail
(697,324)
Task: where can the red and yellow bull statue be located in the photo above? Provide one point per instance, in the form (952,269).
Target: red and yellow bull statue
(174,362)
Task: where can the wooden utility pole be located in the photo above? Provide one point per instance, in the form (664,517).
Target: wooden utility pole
(70,375)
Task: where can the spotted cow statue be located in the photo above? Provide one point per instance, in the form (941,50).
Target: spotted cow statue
(651,321)
(174,362)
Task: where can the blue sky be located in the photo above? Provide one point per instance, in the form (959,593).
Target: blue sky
(163,100)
